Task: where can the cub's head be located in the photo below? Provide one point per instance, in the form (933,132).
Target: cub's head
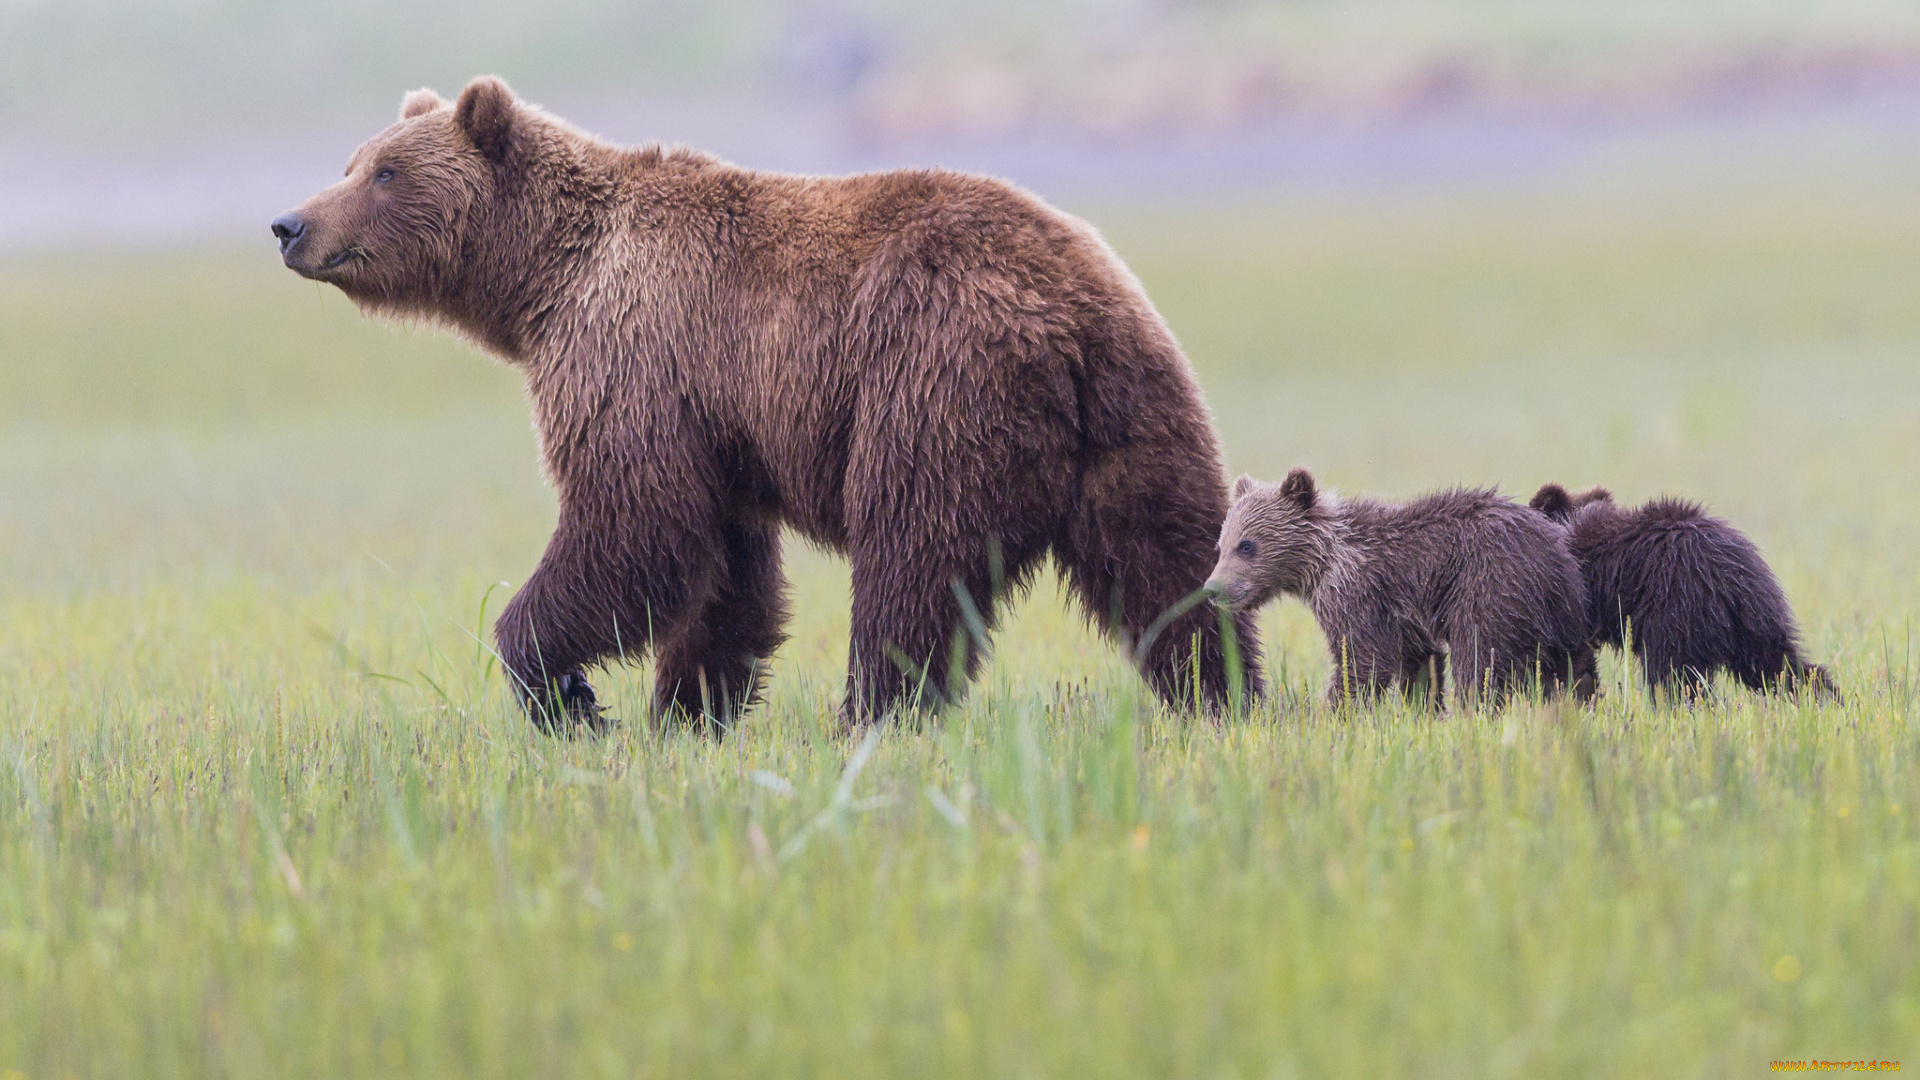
(391,234)
(1277,538)
(1554,501)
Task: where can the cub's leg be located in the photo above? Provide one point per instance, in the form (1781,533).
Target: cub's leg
(1557,670)
(1583,673)
(1423,676)
(1668,658)
(1492,662)
(1806,676)
(1364,667)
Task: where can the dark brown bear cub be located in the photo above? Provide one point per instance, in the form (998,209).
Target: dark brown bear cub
(937,374)
(1463,579)
(1691,591)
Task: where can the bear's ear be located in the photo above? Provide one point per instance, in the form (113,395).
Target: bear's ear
(1552,500)
(1297,489)
(1242,485)
(1592,495)
(485,113)
(419,103)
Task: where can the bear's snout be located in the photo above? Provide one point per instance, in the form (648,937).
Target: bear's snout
(289,228)
(1221,592)
(311,244)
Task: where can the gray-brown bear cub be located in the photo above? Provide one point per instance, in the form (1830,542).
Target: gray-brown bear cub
(1464,579)
(1690,590)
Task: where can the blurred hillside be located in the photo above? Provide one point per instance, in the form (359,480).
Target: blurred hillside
(120,70)
(121,118)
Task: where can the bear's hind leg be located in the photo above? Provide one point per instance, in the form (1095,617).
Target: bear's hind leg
(911,644)
(1805,676)
(711,667)
(1490,667)
(1671,658)
(1138,546)
(1423,677)
(1479,665)
(1768,659)
(1583,673)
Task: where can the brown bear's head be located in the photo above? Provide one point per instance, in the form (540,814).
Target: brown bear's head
(1553,501)
(1277,538)
(396,233)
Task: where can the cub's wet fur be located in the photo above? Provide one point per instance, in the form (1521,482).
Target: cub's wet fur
(1689,590)
(1462,579)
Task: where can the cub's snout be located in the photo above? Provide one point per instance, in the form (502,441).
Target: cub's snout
(1225,589)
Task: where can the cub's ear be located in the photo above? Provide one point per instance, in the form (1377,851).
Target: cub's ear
(419,103)
(485,113)
(1297,489)
(1552,500)
(1242,485)
(1592,495)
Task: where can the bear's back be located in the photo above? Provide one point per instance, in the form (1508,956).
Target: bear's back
(1469,555)
(1670,570)
(1460,529)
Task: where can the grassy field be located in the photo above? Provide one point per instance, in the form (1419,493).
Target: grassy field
(265,809)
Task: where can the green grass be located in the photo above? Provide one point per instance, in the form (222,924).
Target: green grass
(265,809)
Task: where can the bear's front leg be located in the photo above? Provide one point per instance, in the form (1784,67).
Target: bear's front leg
(1364,668)
(550,632)
(1423,676)
(567,706)
(616,574)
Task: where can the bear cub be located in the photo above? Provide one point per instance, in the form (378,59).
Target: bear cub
(1464,579)
(1690,590)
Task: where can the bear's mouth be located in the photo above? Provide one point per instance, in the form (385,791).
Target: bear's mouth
(329,267)
(1224,594)
(1237,595)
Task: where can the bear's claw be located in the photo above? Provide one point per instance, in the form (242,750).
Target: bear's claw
(567,707)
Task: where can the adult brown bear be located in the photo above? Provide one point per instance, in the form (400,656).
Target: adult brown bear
(935,373)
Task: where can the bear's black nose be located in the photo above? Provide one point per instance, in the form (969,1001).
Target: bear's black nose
(289,228)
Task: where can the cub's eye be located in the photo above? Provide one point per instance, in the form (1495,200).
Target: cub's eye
(383,176)
(1243,548)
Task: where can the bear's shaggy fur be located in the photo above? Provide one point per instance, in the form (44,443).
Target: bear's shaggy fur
(1466,575)
(935,373)
(1689,590)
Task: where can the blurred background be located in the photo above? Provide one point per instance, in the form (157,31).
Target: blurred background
(145,122)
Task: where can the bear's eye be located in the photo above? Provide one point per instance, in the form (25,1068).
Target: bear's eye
(1243,548)
(383,176)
